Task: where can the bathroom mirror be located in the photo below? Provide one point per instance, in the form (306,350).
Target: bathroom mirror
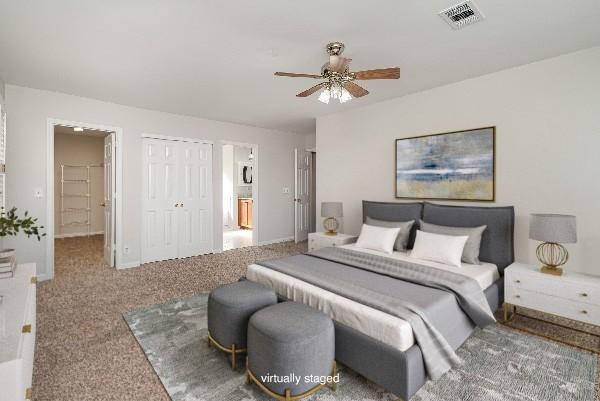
(244,173)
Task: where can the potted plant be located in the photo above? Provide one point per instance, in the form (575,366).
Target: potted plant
(11,224)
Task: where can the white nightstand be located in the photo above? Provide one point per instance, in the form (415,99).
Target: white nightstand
(322,240)
(575,296)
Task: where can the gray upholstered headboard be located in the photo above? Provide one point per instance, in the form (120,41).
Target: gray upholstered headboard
(497,242)
(390,211)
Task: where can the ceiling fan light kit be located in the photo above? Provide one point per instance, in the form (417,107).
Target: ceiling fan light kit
(335,91)
(339,80)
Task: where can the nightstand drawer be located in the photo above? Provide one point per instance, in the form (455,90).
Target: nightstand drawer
(553,305)
(554,286)
(321,240)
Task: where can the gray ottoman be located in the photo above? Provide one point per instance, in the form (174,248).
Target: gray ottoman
(290,339)
(229,308)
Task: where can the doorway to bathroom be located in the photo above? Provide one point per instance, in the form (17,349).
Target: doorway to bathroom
(239,195)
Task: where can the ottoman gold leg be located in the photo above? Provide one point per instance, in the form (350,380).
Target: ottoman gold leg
(333,373)
(288,394)
(230,350)
(248,379)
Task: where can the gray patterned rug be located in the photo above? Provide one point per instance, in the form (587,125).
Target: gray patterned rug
(500,365)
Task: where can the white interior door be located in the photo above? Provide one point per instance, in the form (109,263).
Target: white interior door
(195,195)
(109,197)
(302,161)
(160,200)
(177,199)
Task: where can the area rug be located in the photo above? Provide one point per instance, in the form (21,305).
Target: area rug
(500,364)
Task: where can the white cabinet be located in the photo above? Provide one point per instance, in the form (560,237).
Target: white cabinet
(573,295)
(321,240)
(17,333)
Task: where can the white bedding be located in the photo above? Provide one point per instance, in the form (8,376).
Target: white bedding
(386,328)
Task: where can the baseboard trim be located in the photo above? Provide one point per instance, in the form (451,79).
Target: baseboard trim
(42,277)
(129,265)
(275,241)
(72,235)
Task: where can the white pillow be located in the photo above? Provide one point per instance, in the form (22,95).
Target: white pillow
(446,249)
(378,238)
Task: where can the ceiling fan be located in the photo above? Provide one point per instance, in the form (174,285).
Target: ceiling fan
(340,80)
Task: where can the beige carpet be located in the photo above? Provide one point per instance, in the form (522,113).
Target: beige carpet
(85,350)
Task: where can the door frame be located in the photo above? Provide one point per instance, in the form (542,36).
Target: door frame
(118,171)
(212,200)
(255,182)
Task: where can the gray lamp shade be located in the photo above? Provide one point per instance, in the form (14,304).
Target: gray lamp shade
(332,209)
(558,228)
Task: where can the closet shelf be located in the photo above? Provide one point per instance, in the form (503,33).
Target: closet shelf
(80,175)
(76,223)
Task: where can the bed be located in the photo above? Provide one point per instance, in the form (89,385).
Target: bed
(372,340)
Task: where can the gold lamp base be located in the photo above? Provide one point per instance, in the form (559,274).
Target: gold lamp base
(331,225)
(552,256)
(556,271)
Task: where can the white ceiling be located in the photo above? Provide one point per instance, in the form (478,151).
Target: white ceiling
(215,59)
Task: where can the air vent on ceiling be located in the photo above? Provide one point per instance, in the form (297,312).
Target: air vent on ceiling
(462,14)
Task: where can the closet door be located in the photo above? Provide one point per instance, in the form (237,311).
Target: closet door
(160,200)
(195,194)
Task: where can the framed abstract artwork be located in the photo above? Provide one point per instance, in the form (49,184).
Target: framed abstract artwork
(456,165)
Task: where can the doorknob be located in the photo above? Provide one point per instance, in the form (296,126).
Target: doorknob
(177,204)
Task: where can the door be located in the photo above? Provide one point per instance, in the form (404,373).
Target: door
(160,200)
(302,161)
(177,199)
(195,195)
(109,196)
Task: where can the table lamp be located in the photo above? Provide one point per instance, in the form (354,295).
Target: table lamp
(553,230)
(331,211)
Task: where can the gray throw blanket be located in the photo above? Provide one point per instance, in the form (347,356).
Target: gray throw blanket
(438,355)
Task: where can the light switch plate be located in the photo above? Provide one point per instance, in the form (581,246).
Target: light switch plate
(286,190)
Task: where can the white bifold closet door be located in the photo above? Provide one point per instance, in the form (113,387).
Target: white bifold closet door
(177,199)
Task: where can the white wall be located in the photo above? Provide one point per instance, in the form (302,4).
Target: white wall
(310,141)
(79,150)
(30,108)
(547,118)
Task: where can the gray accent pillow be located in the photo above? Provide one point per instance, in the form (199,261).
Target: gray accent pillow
(471,250)
(405,226)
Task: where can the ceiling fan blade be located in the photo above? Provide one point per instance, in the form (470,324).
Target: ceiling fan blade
(339,63)
(292,74)
(355,90)
(382,73)
(312,90)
